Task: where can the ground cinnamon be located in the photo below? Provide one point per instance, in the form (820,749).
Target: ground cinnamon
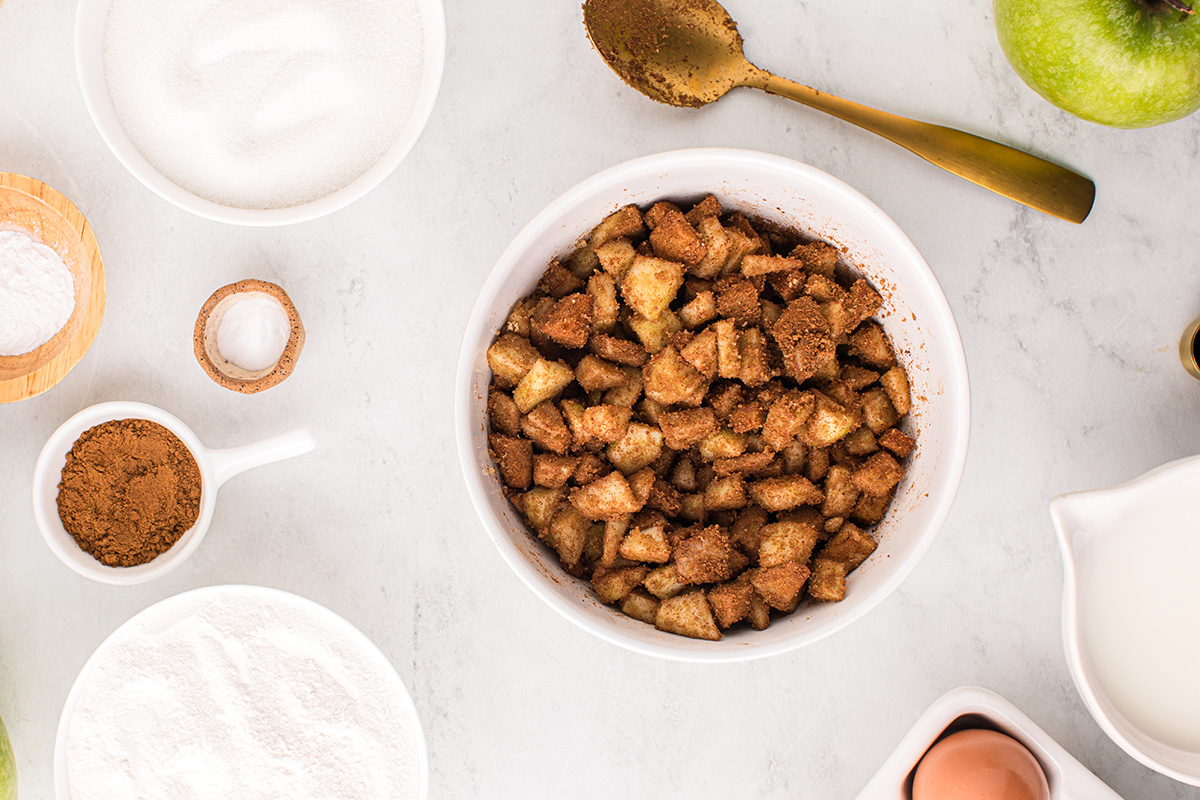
(130,489)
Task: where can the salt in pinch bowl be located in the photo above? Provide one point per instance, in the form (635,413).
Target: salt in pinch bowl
(216,467)
(224,372)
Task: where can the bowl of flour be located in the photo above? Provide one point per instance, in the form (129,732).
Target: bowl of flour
(264,113)
(239,692)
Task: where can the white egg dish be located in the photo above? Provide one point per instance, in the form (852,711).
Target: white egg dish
(971,707)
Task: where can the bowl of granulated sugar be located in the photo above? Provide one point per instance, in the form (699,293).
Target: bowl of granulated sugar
(264,113)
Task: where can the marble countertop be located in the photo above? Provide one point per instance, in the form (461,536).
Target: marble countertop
(1070,333)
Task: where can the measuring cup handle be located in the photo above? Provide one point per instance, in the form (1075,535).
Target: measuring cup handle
(236,460)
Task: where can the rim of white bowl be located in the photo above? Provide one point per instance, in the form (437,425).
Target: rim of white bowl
(94,88)
(958,388)
(61,788)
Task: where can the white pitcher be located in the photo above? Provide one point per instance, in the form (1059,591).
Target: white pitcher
(1083,521)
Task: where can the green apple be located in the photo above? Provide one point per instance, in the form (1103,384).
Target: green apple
(1126,63)
(8,767)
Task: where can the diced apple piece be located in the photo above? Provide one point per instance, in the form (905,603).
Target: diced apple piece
(539,505)
(895,382)
(725,494)
(682,429)
(650,285)
(828,581)
(851,546)
(730,602)
(607,498)
(614,585)
(722,444)
(670,380)
(786,541)
(514,456)
(544,381)
(641,606)
(606,307)
(510,357)
(553,471)
(840,492)
(780,586)
(664,582)
(616,257)
(640,446)
(625,221)
(674,238)
(701,353)
(829,422)
(568,533)
(879,475)
(785,492)
(689,615)
(545,427)
(648,544)
(503,413)
(704,557)
(570,321)
(605,423)
(701,310)
(655,334)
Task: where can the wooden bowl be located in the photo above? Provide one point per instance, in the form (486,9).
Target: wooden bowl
(226,373)
(35,208)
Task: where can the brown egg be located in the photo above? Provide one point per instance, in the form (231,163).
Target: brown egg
(979,765)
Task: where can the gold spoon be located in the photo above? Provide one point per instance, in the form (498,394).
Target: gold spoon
(689,53)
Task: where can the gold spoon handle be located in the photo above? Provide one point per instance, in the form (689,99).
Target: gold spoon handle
(1015,174)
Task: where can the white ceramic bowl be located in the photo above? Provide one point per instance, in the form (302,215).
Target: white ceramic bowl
(178,607)
(915,315)
(89,64)
(216,467)
(970,707)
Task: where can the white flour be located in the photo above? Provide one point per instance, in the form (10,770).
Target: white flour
(264,104)
(37,293)
(242,699)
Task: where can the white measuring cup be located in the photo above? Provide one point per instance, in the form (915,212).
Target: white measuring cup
(1083,520)
(216,467)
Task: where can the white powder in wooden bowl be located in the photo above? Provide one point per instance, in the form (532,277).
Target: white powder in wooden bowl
(265,104)
(37,293)
(240,694)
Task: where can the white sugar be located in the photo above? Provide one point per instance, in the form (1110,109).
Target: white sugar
(263,104)
(246,699)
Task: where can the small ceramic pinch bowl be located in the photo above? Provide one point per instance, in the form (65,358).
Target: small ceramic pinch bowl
(225,372)
(971,707)
(90,18)
(30,206)
(1082,520)
(216,467)
(915,315)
